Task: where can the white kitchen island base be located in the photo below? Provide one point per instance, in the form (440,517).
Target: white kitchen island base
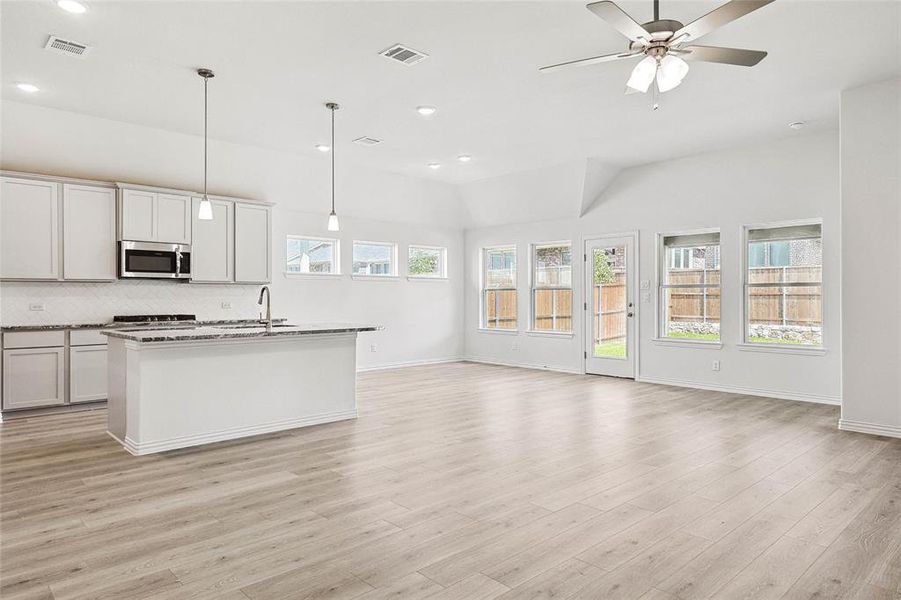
(165,394)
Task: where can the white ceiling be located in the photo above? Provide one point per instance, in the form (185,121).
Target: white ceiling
(277,62)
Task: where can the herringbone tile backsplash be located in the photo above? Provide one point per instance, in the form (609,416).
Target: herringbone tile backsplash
(98,302)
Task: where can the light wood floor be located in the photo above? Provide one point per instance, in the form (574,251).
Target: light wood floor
(466,481)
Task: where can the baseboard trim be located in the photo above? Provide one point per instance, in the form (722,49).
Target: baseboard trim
(140,449)
(734,389)
(410,363)
(490,361)
(871,428)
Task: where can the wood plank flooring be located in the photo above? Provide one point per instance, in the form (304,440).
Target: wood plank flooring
(465,481)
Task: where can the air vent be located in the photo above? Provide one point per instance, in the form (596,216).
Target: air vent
(67,47)
(403,54)
(367,141)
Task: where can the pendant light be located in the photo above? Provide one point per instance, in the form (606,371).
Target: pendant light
(205,210)
(332,217)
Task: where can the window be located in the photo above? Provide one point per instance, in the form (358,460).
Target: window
(499,288)
(378,259)
(312,256)
(552,287)
(427,262)
(784,285)
(690,289)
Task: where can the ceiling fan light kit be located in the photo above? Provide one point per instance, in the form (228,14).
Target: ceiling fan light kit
(666,44)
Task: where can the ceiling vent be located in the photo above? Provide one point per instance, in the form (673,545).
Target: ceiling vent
(367,141)
(403,54)
(67,47)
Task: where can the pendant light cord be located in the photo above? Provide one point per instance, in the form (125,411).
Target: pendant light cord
(205,160)
(333,160)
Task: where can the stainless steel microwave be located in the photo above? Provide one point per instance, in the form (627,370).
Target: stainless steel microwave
(154,260)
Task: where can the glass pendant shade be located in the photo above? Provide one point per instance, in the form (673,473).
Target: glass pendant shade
(643,74)
(333,222)
(671,72)
(205,210)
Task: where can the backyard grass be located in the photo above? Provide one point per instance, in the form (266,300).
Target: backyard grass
(616,349)
(684,335)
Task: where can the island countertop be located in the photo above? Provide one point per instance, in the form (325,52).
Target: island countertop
(238,331)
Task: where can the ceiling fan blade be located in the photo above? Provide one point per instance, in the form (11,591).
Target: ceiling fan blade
(719,16)
(727,56)
(589,61)
(619,20)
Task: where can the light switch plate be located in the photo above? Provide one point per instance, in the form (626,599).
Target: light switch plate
(645,284)
(645,296)
(38,306)
(226,305)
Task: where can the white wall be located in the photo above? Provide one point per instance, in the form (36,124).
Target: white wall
(421,319)
(871,258)
(790,179)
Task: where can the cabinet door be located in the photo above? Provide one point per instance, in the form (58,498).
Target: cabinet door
(173,219)
(138,216)
(89,232)
(213,243)
(33,377)
(87,374)
(29,229)
(252,243)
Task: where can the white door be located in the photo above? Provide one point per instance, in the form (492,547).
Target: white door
(89,232)
(213,244)
(173,219)
(29,229)
(610,283)
(252,247)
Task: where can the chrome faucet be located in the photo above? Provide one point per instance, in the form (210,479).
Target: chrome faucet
(268,319)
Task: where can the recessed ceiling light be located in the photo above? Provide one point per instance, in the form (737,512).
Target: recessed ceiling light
(426,111)
(28,87)
(464,158)
(797,125)
(434,166)
(72,6)
(323,147)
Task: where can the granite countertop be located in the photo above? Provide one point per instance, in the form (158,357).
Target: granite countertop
(111,325)
(225,332)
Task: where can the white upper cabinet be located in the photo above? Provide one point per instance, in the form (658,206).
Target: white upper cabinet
(155,217)
(138,216)
(173,219)
(89,232)
(29,229)
(213,243)
(252,244)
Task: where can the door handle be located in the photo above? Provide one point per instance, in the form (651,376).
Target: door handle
(629,314)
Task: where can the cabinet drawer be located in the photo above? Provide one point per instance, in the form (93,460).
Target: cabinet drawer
(34,339)
(86,337)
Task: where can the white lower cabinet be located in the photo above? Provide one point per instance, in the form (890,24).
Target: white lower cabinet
(34,377)
(87,374)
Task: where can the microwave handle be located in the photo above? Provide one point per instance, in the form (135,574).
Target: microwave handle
(178,262)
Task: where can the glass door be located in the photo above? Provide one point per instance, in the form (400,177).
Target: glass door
(610,306)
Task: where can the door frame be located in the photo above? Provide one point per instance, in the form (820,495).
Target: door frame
(634,292)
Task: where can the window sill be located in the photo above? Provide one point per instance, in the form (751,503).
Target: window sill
(684,343)
(312,275)
(375,277)
(414,278)
(550,334)
(783,349)
(499,331)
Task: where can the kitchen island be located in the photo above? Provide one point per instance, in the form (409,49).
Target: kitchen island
(178,387)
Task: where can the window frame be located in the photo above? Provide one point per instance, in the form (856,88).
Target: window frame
(483,289)
(336,257)
(745,313)
(391,275)
(662,265)
(533,264)
(442,250)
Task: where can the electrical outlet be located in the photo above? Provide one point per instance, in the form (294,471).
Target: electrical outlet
(514,345)
(226,305)
(645,296)
(373,348)
(39,306)
(716,365)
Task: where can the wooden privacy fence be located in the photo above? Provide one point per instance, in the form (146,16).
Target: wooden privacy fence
(778,305)
(609,303)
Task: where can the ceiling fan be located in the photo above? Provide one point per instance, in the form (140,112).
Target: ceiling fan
(666,44)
